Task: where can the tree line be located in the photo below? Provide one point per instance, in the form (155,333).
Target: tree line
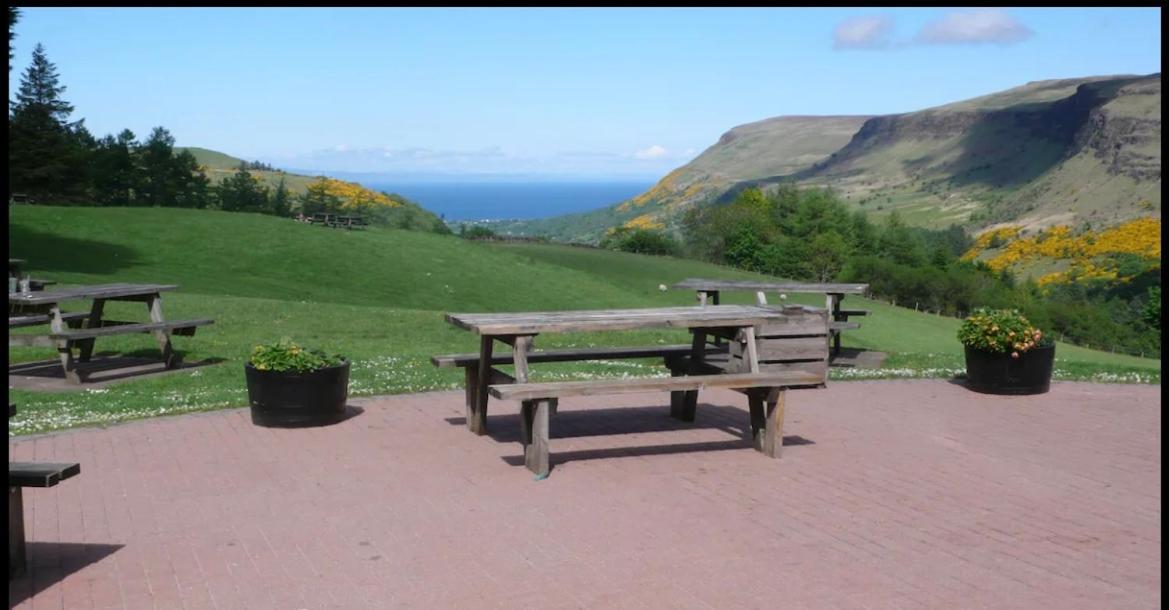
(811,235)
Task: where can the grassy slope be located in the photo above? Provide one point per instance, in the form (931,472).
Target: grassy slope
(221,166)
(378,296)
(932,180)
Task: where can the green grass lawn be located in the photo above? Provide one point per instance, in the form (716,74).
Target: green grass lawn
(379,296)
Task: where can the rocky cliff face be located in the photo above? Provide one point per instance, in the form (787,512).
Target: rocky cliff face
(1126,142)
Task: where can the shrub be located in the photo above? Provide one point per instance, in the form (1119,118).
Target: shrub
(284,355)
(1001,331)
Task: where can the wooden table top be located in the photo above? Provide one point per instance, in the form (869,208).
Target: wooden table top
(707,285)
(534,322)
(97,291)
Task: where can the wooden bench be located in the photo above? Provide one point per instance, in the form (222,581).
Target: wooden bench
(470,362)
(764,390)
(21,475)
(183,328)
(73,319)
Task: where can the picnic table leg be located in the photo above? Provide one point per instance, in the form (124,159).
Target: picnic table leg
(477,413)
(16,552)
(85,346)
(767,420)
(685,407)
(64,346)
(534,420)
(834,305)
(169,357)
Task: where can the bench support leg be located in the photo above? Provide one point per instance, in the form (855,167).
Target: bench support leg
(472,384)
(767,420)
(477,412)
(16,554)
(169,357)
(85,346)
(534,422)
(64,346)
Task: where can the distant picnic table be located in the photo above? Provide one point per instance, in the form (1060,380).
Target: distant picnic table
(708,290)
(338,221)
(68,330)
(753,362)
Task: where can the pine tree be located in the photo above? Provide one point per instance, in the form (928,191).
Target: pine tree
(242,193)
(156,169)
(281,206)
(45,151)
(13,17)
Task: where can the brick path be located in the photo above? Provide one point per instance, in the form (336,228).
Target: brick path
(890,494)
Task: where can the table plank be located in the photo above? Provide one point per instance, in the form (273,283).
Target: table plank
(614,319)
(98,291)
(730,285)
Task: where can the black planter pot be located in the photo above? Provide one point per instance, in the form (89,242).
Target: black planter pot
(997,373)
(291,399)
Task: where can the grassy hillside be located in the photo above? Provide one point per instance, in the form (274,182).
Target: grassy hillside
(1068,151)
(772,147)
(377,296)
(220,166)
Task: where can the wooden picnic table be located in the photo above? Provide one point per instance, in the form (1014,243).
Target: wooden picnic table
(736,323)
(69,330)
(708,291)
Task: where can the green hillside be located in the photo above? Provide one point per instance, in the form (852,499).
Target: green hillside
(1068,151)
(220,166)
(377,296)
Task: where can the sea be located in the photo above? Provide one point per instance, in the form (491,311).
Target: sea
(468,201)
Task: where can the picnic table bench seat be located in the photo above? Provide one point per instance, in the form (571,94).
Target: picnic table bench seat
(73,319)
(558,389)
(109,327)
(21,475)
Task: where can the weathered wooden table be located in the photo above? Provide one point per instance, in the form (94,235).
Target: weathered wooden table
(708,291)
(69,330)
(735,323)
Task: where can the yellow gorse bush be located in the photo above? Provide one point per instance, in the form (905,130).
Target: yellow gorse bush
(350,194)
(644,222)
(1140,237)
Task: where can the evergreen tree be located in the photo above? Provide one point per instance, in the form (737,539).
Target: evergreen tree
(116,177)
(190,185)
(156,169)
(13,17)
(281,203)
(242,193)
(45,150)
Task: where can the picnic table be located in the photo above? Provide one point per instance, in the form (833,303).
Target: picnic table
(79,329)
(337,221)
(694,366)
(708,291)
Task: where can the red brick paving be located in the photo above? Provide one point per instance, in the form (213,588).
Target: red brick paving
(890,494)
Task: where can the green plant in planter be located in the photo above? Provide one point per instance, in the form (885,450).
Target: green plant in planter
(284,355)
(1001,331)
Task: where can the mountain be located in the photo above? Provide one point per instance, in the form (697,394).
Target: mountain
(1069,151)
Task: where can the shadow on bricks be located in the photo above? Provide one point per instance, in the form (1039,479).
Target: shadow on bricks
(51,562)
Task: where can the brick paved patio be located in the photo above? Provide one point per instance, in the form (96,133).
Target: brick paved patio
(890,494)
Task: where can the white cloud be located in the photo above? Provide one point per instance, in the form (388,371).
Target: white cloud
(974,27)
(870,32)
(653,152)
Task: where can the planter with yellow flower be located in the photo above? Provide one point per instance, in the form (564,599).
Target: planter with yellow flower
(1005,354)
(290,385)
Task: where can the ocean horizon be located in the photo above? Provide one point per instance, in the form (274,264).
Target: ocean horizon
(468,201)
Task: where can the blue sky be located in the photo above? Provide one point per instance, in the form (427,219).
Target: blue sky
(587,93)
